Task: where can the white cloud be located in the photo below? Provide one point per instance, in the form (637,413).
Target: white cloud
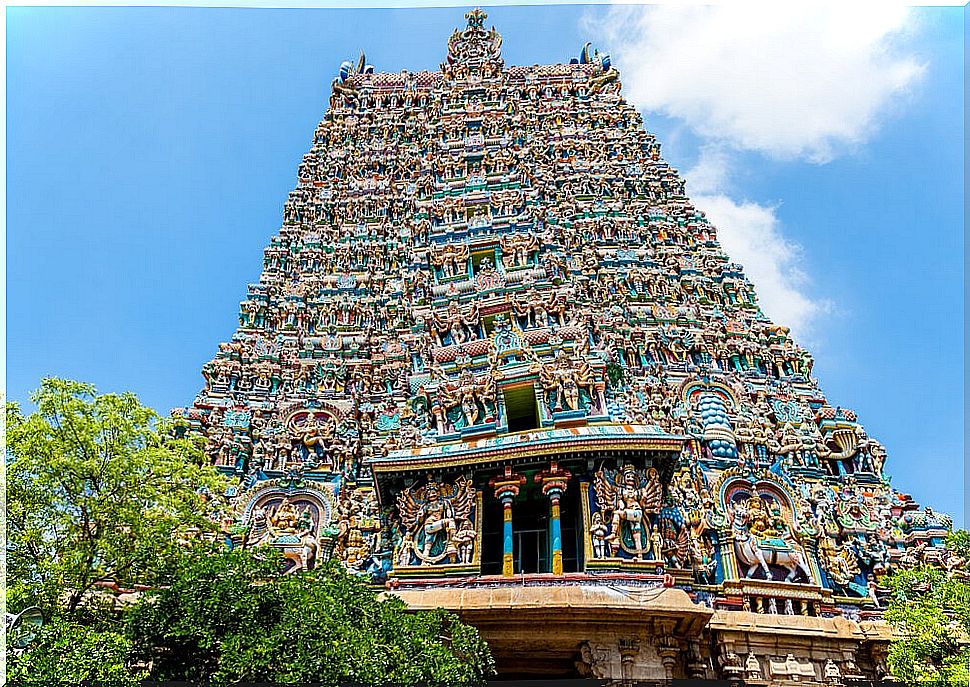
(790,80)
(711,172)
(751,234)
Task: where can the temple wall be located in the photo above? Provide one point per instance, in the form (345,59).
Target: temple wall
(498,362)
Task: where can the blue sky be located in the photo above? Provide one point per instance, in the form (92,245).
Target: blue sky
(149,152)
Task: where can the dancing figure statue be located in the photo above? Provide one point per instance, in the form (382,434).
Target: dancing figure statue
(431,516)
(315,435)
(626,499)
(474,398)
(450,261)
(563,381)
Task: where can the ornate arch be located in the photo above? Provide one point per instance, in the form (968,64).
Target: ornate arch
(692,387)
(270,496)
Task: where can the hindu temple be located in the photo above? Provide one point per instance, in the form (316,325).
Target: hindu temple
(497,362)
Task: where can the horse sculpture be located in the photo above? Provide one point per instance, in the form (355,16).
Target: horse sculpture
(762,540)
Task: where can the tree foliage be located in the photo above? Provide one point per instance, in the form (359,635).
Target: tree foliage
(930,610)
(96,490)
(233,617)
(68,652)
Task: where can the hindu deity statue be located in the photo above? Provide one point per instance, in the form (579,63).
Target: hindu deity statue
(473,399)
(315,435)
(763,538)
(629,499)
(284,519)
(436,518)
(570,385)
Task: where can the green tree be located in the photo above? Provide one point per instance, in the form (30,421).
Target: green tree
(232,616)
(97,489)
(929,608)
(68,653)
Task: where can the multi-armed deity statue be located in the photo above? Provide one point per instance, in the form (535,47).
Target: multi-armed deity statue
(495,346)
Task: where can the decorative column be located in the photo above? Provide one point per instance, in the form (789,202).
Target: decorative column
(725,543)
(668,648)
(554,482)
(506,487)
(629,648)
(696,669)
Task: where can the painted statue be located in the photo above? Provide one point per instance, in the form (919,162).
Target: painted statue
(628,499)
(437,518)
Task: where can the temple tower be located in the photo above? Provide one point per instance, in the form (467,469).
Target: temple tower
(498,362)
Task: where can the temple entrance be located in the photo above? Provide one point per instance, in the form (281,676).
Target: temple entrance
(532,532)
(531,549)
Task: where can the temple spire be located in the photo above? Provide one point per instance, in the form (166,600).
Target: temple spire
(495,348)
(475,53)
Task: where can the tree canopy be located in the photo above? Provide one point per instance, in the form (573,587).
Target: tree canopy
(99,489)
(71,653)
(233,617)
(929,607)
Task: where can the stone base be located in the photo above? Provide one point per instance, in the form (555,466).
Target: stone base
(540,629)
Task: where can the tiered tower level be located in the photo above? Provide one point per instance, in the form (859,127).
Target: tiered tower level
(498,362)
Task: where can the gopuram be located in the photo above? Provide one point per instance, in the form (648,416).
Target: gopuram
(497,362)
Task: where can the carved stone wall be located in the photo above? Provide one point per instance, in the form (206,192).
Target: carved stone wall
(490,292)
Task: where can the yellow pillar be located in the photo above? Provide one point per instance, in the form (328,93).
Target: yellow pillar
(554,481)
(506,488)
(556,539)
(507,567)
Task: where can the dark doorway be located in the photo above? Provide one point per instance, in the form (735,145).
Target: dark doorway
(492,525)
(530,535)
(521,408)
(570,517)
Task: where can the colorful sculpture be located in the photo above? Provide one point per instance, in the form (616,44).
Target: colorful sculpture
(490,274)
(762,537)
(628,499)
(438,520)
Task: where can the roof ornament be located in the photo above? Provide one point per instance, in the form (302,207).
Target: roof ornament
(349,69)
(475,53)
(344,87)
(595,58)
(476,18)
(605,74)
